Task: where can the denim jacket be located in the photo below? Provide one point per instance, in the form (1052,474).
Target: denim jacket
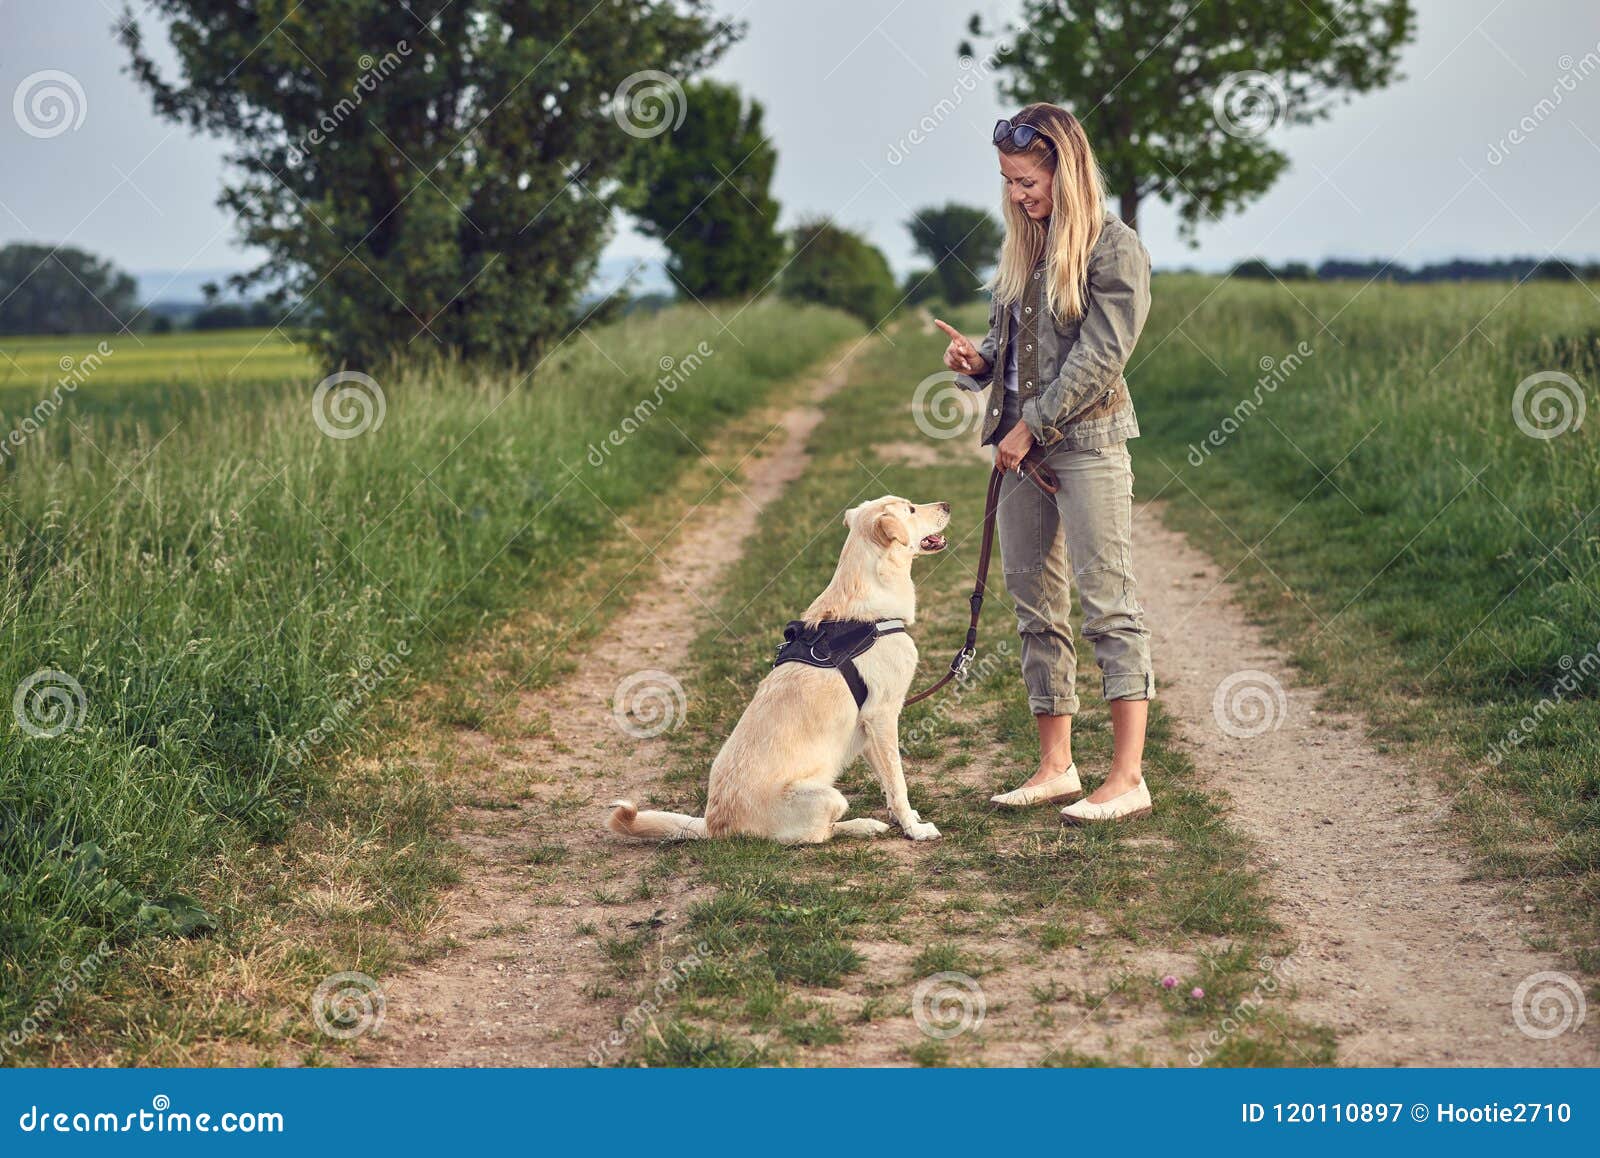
(1069,373)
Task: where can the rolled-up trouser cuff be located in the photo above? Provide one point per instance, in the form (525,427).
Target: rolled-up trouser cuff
(1129,687)
(1053,705)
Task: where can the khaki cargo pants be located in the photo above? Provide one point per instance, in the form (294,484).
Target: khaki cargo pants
(1085,531)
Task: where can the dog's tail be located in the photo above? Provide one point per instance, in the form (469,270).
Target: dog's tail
(629,821)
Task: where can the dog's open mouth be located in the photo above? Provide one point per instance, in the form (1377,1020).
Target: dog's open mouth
(931,543)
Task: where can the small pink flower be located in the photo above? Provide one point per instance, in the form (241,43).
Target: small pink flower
(1169,982)
(1197,993)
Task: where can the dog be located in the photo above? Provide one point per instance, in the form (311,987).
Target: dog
(774,776)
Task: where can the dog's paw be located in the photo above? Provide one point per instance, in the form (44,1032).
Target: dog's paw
(917,830)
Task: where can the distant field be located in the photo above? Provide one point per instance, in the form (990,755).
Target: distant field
(216,357)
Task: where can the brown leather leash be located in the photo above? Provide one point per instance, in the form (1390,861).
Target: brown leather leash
(1045,479)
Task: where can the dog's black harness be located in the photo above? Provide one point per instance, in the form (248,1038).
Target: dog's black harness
(835,643)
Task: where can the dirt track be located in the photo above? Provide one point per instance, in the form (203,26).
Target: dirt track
(1411,962)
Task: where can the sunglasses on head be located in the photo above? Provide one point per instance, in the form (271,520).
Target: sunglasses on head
(1020,136)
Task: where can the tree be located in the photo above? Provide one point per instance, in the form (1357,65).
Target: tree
(961,242)
(839,268)
(60,290)
(432,170)
(1175,96)
(707,196)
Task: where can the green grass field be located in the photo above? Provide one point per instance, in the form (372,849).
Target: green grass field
(1415,547)
(212,358)
(1431,559)
(240,597)
(199,617)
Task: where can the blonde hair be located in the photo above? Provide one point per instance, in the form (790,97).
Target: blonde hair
(1077,195)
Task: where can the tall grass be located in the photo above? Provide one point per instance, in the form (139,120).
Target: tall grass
(230,593)
(1413,535)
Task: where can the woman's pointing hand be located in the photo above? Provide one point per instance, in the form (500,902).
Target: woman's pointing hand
(961,355)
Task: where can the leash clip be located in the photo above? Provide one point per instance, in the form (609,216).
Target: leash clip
(963,659)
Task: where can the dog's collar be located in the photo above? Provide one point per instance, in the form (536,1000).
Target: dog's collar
(835,643)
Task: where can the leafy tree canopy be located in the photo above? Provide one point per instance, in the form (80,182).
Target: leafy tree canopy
(61,290)
(1176,97)
(437,172)
(708,196)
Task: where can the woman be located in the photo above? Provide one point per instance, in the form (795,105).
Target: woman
(1069,298)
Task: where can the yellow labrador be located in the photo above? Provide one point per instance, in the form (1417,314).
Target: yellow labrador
(774,776)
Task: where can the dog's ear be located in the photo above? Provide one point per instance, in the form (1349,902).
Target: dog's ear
(888,530)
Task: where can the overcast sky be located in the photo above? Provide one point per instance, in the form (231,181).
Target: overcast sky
(1405,172)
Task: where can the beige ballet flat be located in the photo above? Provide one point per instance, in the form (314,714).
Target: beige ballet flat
(1052,791)
(1131,804)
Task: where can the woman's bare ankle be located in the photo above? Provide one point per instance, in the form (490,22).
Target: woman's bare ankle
(1047,772)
